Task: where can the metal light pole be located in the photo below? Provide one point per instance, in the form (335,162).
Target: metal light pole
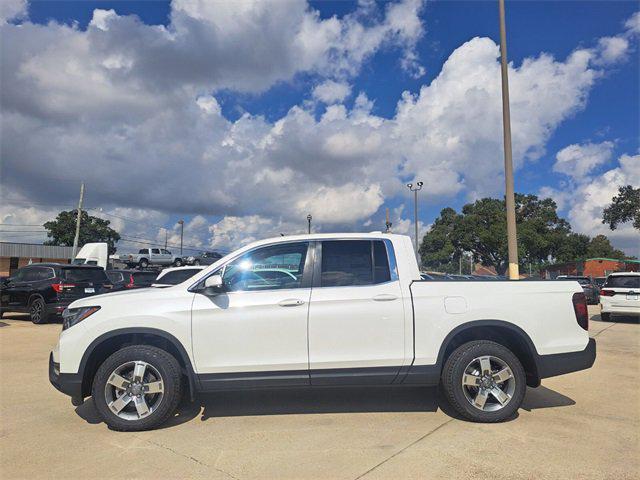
(512,241)
(309,217)
(415,189)
(76,238)
(181,222)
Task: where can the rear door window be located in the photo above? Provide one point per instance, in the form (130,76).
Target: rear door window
(144,278)
(623,281)
(115,276)
(84,275)
(353,263)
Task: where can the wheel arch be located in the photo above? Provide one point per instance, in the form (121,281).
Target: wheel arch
(499,331)
(110,342)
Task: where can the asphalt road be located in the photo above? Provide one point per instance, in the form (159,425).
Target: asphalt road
(585,425)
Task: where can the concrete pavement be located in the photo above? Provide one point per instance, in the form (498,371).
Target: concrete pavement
(584,425)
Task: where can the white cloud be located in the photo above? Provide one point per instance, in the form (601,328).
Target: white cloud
(585,200)
(331,91)
(131,109)
(12,9)
(577,161)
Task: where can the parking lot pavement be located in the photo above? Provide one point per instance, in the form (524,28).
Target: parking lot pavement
(584,425)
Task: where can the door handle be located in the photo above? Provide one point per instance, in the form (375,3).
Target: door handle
(385,297)
(291,302)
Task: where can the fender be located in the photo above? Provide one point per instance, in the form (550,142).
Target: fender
(430,374)
(193,382)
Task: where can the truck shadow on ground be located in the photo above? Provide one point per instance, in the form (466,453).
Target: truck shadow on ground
(326,400)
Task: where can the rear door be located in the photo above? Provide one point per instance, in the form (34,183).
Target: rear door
(356,314)
(80,282)
(626,291)
(16,293)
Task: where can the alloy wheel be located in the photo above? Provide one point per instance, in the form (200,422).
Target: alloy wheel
(134,390)
(488,383)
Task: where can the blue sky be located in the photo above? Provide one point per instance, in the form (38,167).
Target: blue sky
(605,115)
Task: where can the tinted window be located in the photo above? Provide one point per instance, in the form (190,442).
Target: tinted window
(623,281)
(29,275)
(177,276)
(92,275)
(146,278)
(155,250)
(115,276)
(167,252)
(142,250)
(44,273)
(352,262)
(267,268)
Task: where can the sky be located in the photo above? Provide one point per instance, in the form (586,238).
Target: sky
(244,117)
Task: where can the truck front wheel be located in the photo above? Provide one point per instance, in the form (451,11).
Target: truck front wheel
(484,381)
(137,388)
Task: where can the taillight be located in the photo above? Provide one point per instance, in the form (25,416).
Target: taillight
(580,309)
(607,293)
(130,284)
(59,287)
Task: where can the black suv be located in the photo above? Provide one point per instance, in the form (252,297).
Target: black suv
(45,289)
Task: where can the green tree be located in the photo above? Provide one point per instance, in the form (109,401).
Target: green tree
(600,247)
(62,230)
(437,250)
(573,247)
(624,207)
(481,230)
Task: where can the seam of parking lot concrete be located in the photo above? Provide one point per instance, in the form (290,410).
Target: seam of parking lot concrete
(415,442)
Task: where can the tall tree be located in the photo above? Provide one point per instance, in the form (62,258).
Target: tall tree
(62,230)
(600,247)
(624,207)
(437,250)
(573,247)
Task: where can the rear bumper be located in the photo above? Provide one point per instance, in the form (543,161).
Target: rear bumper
(67,383)
(561,363)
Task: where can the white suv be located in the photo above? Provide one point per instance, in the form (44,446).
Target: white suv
(620,295)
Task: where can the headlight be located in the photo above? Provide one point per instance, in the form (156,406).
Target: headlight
(71,316)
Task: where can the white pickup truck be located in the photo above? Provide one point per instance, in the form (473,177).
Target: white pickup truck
(149,256)
(319,310)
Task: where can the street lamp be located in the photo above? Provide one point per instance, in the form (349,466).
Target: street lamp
(415,189)
(309,217)
(181,222)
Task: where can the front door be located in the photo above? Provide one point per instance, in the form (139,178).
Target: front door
(356,316)
(255,333)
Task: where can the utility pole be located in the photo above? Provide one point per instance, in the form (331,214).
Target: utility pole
(309,217)
(460,265)
(512,241)
(387,223)
(181,222)
(166,234)
(76,238)
(415,189)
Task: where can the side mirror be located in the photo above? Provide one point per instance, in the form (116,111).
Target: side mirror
(213,285)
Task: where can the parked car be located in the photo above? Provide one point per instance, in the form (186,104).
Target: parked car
(590,289)
(204,258)
(149,256)
(129,279)
(46,289)
(620,295)
(176,275)
(352,310)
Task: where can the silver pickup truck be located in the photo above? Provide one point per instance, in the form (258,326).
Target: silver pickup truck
(149,256)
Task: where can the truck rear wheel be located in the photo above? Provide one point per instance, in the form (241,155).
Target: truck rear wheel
(484,381)
(144,263)
(137,388)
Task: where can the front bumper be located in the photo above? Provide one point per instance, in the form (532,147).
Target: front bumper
(561,363)
(67,383)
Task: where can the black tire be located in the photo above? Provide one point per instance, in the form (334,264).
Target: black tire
(38,311)
(143,263)
(160,360)
(452,377)
(177,262)
(605,317)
